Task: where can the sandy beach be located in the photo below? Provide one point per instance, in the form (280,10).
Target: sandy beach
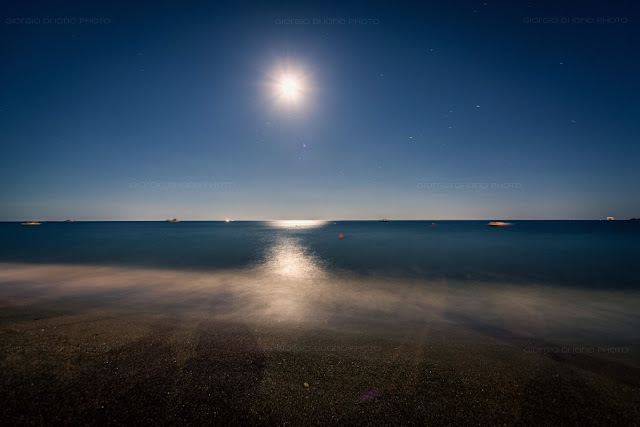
(135,356)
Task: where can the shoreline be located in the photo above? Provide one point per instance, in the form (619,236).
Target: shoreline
(106,345)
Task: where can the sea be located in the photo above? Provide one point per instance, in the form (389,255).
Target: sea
(588,254)
(560,281)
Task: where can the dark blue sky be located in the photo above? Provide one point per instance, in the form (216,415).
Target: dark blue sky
(446,110)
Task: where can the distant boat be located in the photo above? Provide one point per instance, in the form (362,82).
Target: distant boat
(173,220)
(610,218)
(30,223)
(70,220)
(433,224)
(499,224)
(384,220)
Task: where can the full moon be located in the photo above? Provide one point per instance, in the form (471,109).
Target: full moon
(289,88)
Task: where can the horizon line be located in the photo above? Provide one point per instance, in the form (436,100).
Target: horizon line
(326,220)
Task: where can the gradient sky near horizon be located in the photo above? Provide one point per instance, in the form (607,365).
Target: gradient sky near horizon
(446,110)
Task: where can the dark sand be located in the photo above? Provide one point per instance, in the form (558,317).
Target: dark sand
(78,346)
(111,368)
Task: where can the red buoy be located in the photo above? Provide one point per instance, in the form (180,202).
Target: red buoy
(340,236)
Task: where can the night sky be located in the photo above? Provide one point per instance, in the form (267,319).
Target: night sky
(401,110)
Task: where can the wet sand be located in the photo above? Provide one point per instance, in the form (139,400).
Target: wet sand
(119,358)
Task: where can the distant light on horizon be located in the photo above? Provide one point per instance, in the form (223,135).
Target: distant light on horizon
(306,223)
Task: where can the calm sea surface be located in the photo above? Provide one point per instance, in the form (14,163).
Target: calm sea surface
(589,254)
